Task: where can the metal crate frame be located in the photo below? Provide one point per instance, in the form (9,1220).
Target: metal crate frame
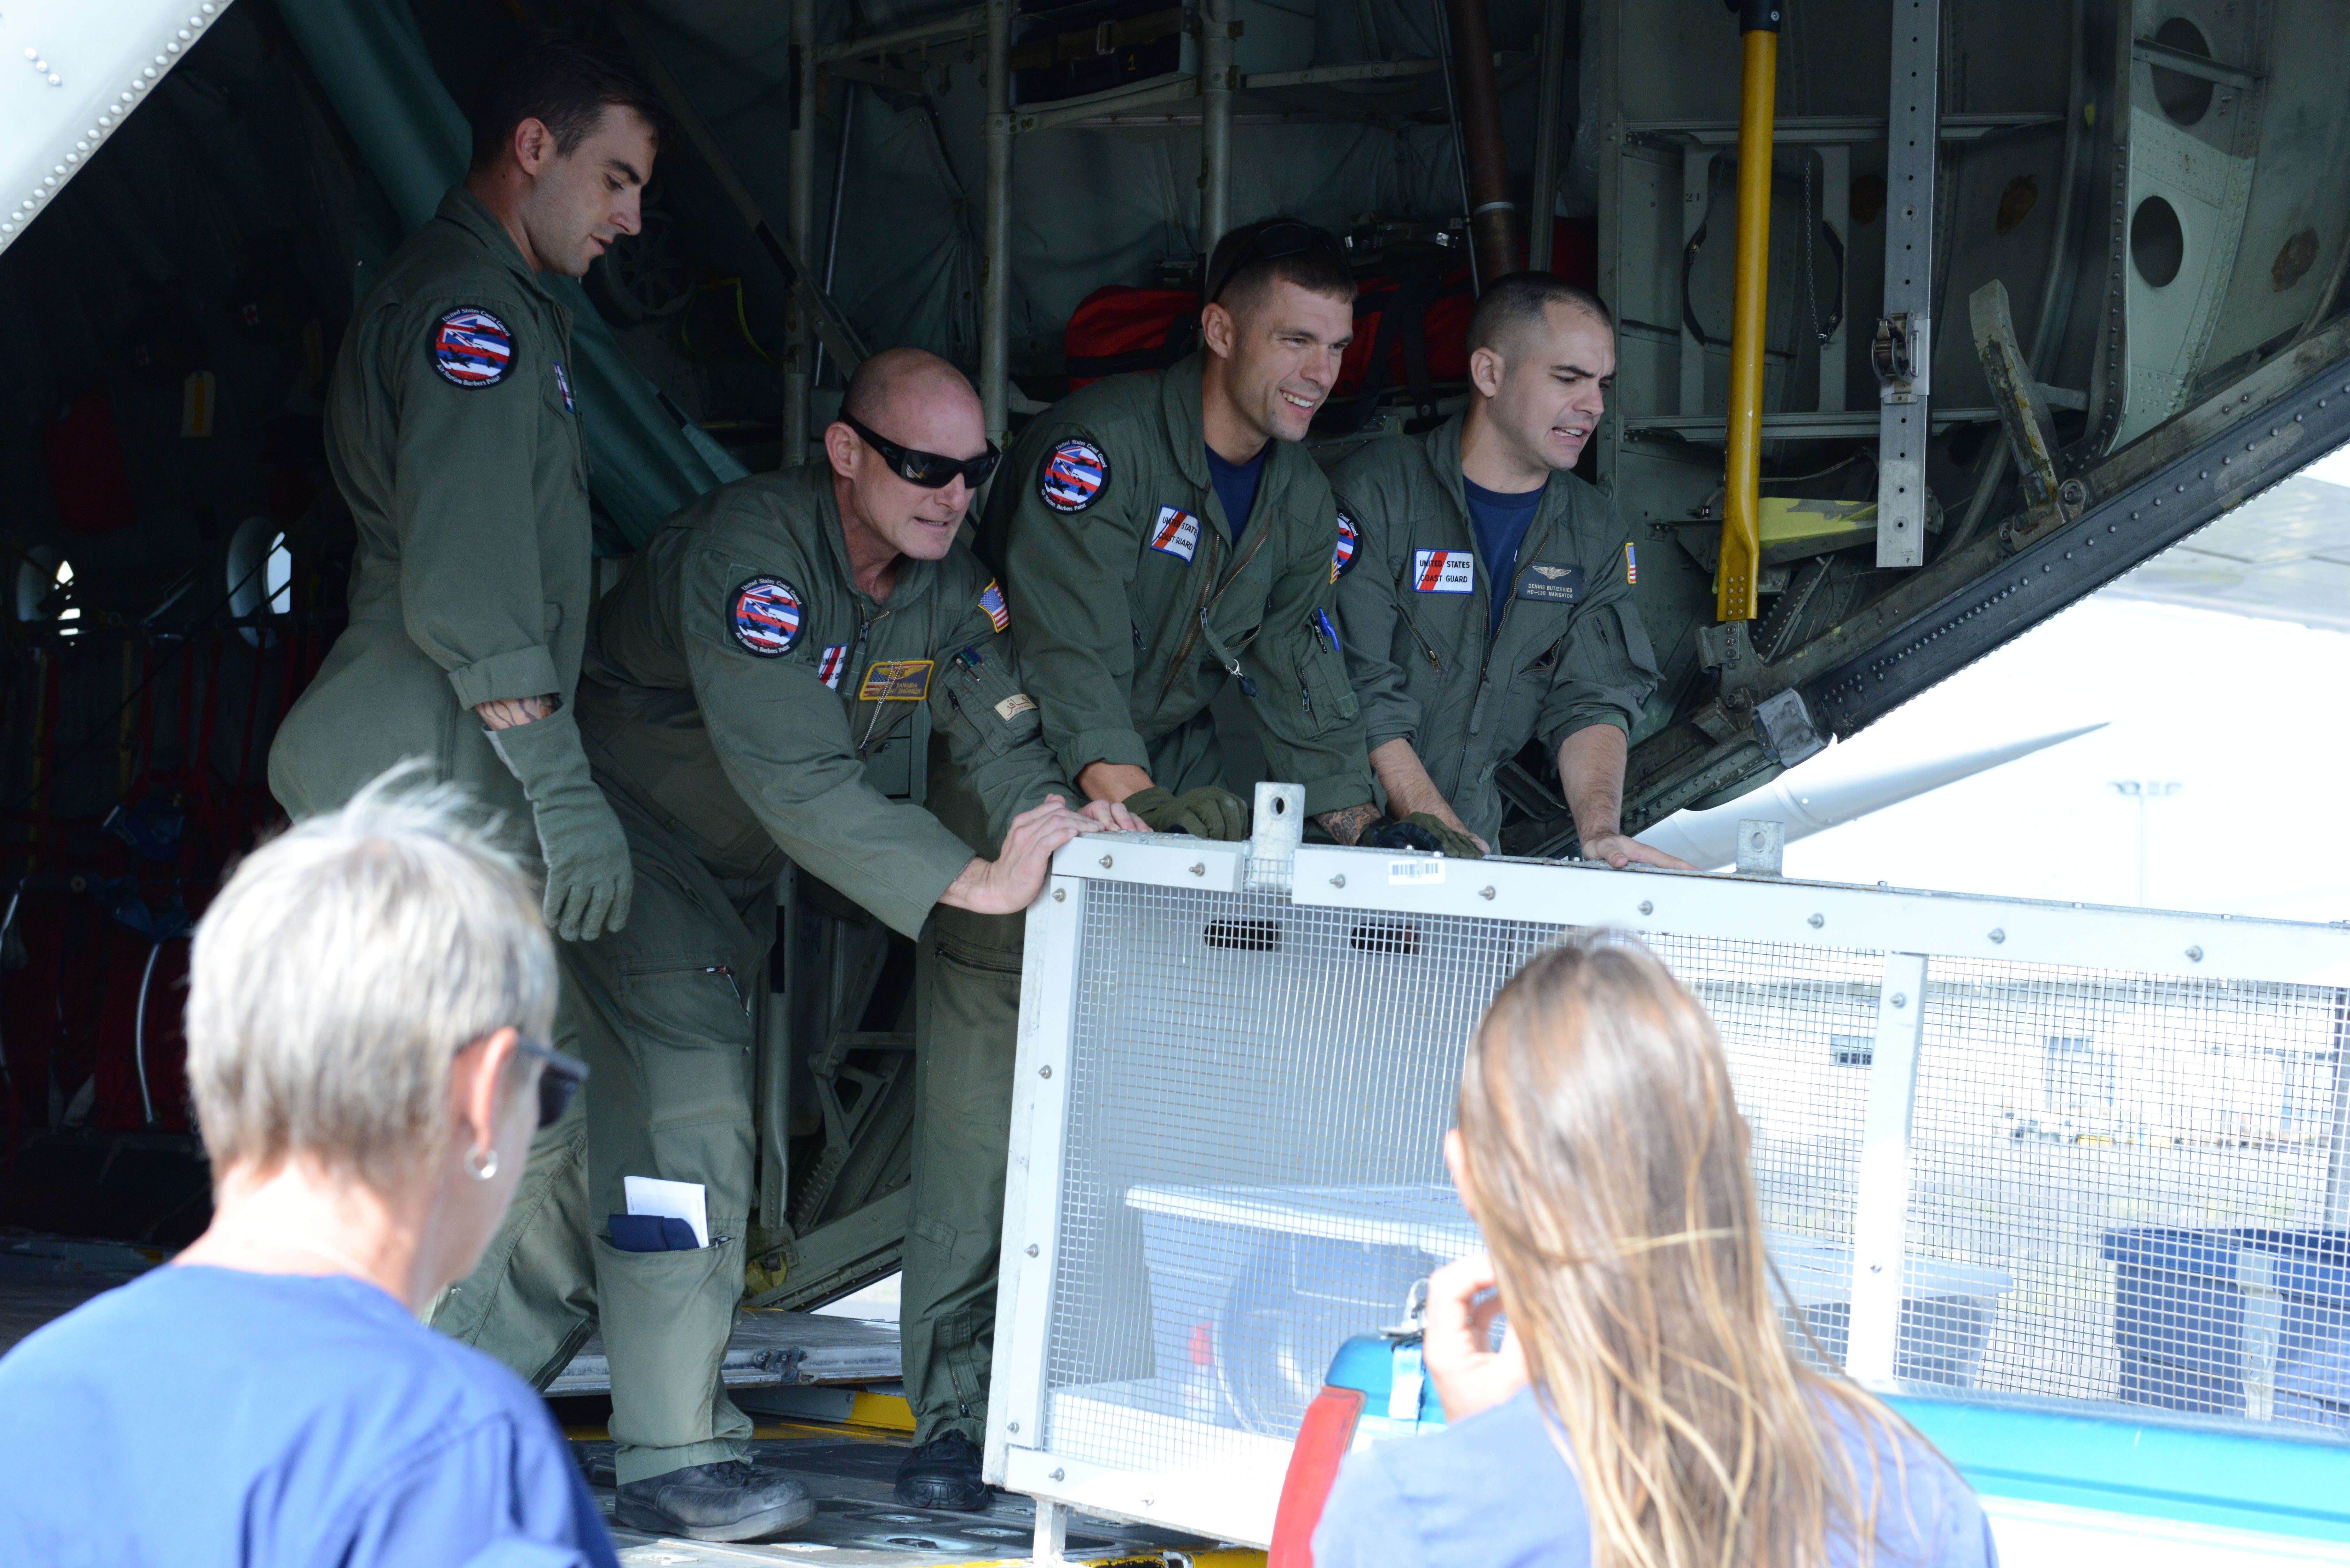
(1910,928)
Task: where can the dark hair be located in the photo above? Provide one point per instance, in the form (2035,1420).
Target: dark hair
(1312,260)
(563,82)
(1511,304)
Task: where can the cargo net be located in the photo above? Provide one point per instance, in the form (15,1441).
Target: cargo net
(2141,1161)
(1254,1168)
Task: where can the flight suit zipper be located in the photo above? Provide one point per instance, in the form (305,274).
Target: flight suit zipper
(1200,621)
(852,665)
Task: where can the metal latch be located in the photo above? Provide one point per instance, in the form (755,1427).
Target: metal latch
(1898,352)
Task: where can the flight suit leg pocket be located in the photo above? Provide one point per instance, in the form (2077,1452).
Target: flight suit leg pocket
(689,1036)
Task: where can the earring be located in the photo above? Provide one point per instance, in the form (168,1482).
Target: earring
(481,1164)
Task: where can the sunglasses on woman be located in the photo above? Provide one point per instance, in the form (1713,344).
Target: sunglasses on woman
(927,468)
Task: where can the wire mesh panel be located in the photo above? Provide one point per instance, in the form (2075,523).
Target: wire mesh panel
(2148,1157)
(2105,1184)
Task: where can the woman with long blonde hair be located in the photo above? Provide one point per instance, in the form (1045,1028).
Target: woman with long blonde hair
(1644,1409)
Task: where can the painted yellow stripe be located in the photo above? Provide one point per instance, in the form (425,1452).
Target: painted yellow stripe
(888,1411)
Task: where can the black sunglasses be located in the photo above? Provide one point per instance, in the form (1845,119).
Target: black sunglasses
(927,468)
(557,1083)
(1272,243)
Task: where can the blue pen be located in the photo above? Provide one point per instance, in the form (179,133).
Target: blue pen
(1322,620)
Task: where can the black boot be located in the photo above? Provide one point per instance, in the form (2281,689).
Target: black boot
(728,1501)
(943,1473)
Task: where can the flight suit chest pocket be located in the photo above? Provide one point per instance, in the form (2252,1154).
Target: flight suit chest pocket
(1307,661)
(979,700)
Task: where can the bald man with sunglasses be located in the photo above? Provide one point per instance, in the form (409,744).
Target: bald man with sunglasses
(766,643)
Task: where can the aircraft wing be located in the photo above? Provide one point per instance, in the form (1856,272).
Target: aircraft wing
(2282,555)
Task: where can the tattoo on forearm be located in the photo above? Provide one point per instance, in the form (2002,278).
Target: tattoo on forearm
(508,713)
(1349,825)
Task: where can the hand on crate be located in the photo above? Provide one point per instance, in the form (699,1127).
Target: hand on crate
(1457,1338)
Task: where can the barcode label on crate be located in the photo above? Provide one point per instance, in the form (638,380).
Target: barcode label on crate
(1401,873)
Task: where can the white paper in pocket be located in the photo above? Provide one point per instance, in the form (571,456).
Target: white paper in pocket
(685,1201)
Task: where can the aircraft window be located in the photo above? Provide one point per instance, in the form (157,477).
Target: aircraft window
(2157,244)
(2184,99)
(45,590)
(259,571)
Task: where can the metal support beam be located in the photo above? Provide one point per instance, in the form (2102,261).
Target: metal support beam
(938,29)
(1905,340)
(1550,87)
(799,224)
(2337,1136)
(1216,83)
(1880,1216)
(995,242)
(2014,393)
(1496,236)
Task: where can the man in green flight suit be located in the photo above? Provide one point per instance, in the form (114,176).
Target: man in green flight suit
(767,642)
(453,437)
(1488,598)
(1163,534)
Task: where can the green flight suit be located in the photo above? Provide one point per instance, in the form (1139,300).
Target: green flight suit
(736,682)
(1135,606)
(1414,604)
(453,437)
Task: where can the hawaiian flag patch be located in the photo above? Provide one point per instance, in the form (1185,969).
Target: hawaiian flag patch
(1631,565)
(1072,476)
(1342,557)
(563,385)
(829,663)
(1443,571)
(471,347)
(991,599)
(1177,533)
(766,616)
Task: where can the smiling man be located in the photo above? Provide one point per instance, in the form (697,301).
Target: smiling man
(1163,534)
(1491,599)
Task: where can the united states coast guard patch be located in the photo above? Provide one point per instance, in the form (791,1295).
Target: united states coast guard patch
(766,616)
(471,347)
(1073,477)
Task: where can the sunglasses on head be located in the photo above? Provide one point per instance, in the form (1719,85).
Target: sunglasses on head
(927,468)
(1274,243)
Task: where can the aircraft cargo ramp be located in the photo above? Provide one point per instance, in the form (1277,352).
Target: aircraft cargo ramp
(2012,1156)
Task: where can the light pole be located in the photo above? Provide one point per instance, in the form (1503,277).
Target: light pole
(2142,791)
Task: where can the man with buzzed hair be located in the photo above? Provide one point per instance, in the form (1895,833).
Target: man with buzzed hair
(765,643)
(1490,600)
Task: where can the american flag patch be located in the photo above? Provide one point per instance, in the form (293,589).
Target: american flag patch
(563,385)
(471,347)
(1631,563)
(766,616)
(830,662)
(991,599)
(1177,533)
(1443,571)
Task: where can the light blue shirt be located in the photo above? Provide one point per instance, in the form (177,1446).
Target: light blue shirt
(207,1417)
(1495,1491)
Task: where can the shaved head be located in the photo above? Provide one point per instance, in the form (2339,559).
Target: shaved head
(912,382)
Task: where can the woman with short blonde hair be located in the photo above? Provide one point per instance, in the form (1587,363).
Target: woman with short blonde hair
(1645,1409)
(368,998)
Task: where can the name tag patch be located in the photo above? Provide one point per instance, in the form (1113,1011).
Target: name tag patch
(896,680)
(1443,571)
(1350,538)
(471,347)
(1177,533)
(1073,477)
(1012,707)
(766,616)
(828,663)
(1554,582)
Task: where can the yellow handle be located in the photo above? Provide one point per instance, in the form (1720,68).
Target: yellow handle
(1741,548)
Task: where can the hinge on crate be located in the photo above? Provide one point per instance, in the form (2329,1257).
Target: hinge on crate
(1279,824)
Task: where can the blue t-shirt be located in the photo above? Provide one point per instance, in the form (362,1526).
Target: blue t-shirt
(1236,485)
(205,1416)
(1500,519)
(1495,1491)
